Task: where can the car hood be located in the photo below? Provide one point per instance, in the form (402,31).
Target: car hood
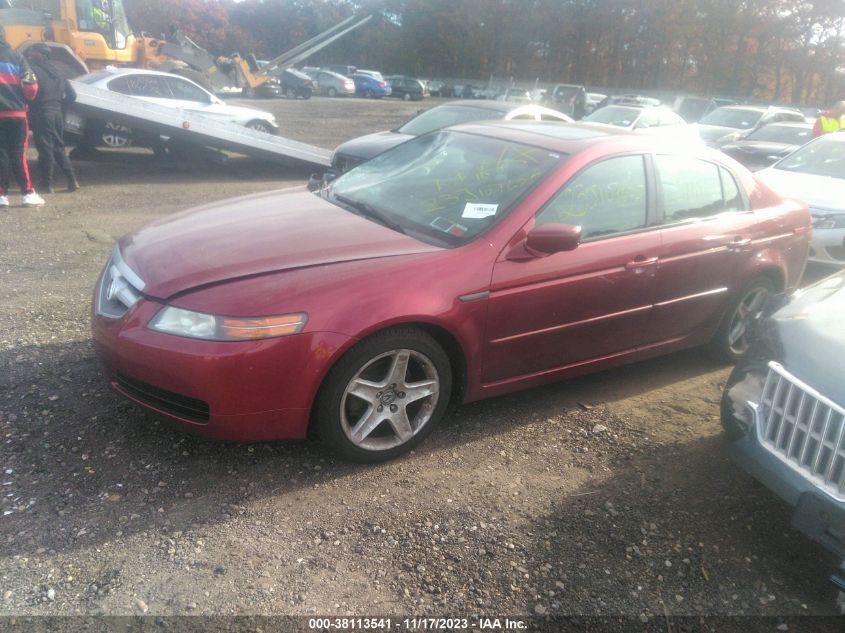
(365,147)
(255,235)
(822,193)
(809,335)
(711,133)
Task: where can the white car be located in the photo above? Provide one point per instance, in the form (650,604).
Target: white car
(171,90)
(815,173)
(644,119)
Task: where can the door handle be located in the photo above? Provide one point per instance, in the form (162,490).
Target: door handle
(739,244)
(641,262)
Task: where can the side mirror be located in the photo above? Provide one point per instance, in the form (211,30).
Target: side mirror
(315,183)
(553,238)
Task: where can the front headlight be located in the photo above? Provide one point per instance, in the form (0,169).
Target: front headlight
(209,327)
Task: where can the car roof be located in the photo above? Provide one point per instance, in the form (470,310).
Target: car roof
(119,72)
(574,138)
(795,124)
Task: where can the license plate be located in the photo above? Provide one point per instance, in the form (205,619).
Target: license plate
(73,122)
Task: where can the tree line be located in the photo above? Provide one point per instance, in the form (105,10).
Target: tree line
(782,50)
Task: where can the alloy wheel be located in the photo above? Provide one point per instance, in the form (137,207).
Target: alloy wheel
(747,312)
(389,400)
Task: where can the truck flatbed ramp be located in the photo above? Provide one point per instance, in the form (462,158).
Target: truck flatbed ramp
(189,127)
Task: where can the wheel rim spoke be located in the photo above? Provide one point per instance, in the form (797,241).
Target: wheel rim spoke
(419,390)
(399,368)
(365,390)
(402,425)
(367,424)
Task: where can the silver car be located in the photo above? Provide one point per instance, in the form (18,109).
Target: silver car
(815,173)
(333,84)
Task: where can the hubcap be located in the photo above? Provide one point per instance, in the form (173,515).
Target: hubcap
(747,312)
(115,135)
(389,400)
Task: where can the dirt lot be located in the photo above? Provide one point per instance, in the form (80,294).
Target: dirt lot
(604,495)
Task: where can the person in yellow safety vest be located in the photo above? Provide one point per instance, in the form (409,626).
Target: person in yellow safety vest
(100,18)
(831,121)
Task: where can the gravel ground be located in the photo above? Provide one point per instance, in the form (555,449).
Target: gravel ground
(605,495)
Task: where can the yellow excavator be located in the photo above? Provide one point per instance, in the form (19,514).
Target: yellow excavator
(86,35)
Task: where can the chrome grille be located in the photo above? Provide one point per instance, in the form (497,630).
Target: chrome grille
(804,429)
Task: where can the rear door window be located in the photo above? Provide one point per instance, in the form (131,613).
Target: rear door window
(693,189)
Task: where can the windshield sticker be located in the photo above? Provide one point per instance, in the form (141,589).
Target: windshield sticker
(442,223)
(447,226)
(479,211)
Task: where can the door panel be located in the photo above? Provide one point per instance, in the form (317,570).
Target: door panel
(708,234)
(550,311)
(569,307)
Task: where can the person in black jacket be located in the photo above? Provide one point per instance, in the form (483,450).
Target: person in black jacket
(47,119)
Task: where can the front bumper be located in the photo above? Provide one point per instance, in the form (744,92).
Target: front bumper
(232,391)
(817,515)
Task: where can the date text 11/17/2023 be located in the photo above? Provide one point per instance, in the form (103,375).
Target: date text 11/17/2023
(416,624)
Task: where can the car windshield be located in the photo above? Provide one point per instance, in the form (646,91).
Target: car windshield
(825,157)
(446,187)
(619,116)
(738,118)
(444,116)
(786,134)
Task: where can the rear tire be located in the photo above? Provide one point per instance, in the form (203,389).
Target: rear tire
(369,94)
(732,339)
(384,396)
(406,96)
(332,92)
(115,135)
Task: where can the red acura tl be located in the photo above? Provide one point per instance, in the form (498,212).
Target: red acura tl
(463,264)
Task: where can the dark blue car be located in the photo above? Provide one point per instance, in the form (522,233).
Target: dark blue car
(370,84)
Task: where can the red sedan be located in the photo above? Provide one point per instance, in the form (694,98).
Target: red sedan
(463,264)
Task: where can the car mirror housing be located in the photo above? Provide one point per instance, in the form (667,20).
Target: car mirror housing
(553,238)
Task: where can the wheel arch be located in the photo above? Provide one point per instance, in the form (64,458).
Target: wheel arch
(443,336)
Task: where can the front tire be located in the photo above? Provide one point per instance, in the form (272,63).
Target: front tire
(260,126)
(732,339)
(384,396)
(332,92)
(406,96)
